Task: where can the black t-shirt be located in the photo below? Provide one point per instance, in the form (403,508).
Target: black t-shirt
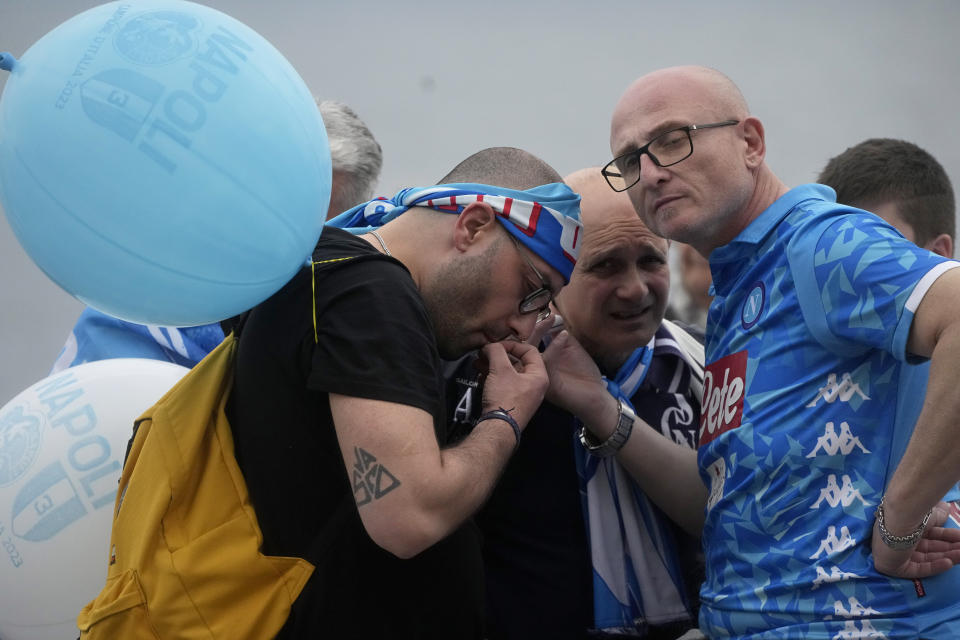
(539,579)
(371,338)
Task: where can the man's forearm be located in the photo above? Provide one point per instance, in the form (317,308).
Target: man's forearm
(665,471)
(431,491)
(931,463)
(442,495)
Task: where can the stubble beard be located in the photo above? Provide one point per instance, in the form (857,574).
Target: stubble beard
(456,295)
(663,221)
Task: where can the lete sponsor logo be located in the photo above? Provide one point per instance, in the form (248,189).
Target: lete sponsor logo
(724,382)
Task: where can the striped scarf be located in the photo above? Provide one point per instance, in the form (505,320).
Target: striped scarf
(546,219)
(637,576)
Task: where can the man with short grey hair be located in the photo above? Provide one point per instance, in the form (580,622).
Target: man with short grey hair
(355,155)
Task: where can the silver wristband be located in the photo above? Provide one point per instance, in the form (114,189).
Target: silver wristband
(900,542)
(617,439)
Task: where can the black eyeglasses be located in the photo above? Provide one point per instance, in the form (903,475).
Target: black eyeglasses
(665,150)
(539,299)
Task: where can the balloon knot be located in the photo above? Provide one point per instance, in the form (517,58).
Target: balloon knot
(6,60)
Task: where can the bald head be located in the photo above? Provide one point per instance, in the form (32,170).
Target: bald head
(600,205)
(707,92)
(706,196)
(618,293)
(506,167)
(716,87)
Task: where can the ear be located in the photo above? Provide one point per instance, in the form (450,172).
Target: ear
(475,223)
(942,245)
(337,180)
(753,135)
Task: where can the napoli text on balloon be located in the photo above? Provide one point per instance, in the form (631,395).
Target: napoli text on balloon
(88,55)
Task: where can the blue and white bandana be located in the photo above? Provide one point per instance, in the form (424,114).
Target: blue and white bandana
(555,237)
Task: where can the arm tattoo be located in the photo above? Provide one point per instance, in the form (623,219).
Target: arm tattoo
(371,481)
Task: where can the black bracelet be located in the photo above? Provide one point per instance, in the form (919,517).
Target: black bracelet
(501,414)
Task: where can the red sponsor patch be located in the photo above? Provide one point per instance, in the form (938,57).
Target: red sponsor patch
(722,405)
(921,592)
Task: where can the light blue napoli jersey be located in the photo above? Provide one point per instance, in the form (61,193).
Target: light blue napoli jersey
(98,336)
(804,418)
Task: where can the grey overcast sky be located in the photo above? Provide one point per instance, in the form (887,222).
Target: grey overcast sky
(438,80)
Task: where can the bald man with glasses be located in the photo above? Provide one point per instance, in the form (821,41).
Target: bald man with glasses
(814,526)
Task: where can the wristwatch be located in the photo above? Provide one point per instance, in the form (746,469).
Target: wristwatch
(617,439)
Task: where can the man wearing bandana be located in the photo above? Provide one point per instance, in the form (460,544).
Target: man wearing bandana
(337,406)
(575,545)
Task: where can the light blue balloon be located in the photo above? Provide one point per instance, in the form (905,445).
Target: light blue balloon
(162,162)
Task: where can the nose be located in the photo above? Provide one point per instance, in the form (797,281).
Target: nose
(522,324)
(633,285)
(650,172)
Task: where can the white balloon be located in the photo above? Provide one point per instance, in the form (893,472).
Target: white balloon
(62,444)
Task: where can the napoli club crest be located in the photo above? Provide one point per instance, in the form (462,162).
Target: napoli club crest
(753,305)
(157,38)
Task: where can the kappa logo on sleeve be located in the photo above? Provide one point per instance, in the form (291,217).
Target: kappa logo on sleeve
(724,382)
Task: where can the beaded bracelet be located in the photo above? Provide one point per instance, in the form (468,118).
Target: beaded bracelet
(501,414)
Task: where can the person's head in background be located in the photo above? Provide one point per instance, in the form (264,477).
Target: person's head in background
(695,276)
(618,292)
(689,287)
(355,155)
(901,183)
